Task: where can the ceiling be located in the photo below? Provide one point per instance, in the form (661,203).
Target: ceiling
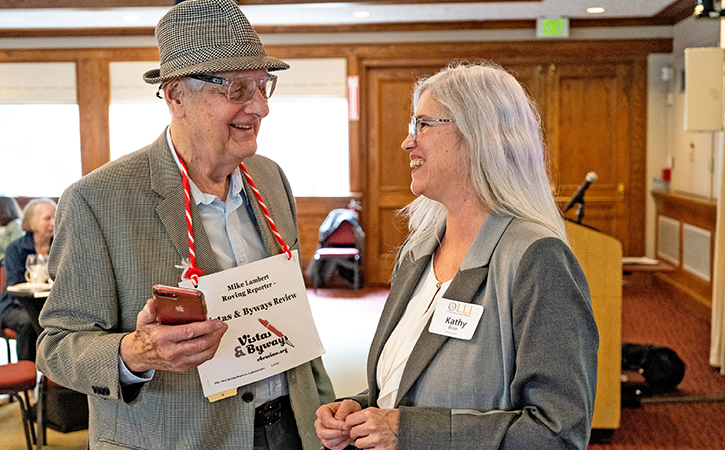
(63,14)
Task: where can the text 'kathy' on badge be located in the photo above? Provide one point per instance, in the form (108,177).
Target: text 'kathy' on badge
(455,319)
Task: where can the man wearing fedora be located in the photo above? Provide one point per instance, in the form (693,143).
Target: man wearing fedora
(122,229)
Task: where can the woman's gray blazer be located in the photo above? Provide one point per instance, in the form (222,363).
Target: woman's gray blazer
(527,378)
(119,231)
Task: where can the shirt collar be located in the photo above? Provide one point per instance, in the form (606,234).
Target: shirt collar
(236,186)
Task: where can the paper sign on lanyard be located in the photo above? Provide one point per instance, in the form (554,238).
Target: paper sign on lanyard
(271,328)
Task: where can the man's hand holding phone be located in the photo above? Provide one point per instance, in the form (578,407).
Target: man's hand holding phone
(156,346)
(175,305)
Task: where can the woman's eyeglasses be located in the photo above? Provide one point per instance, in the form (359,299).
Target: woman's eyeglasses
(416,122)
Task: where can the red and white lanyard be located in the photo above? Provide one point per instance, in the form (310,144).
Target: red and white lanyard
(192,272)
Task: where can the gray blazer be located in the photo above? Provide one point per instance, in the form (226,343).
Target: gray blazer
(527,378)
(119,231)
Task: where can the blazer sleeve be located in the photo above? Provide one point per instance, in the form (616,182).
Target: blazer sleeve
(553,390)
(78,347)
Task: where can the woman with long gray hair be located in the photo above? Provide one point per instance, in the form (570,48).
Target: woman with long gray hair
(487,339)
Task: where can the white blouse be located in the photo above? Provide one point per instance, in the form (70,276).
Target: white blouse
(396,352)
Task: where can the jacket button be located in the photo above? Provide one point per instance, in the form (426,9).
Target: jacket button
(247,397)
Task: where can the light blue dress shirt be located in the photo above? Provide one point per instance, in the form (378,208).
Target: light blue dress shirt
(230,226)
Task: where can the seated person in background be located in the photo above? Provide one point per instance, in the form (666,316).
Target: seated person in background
(10,228)
(21,315)
(487,247)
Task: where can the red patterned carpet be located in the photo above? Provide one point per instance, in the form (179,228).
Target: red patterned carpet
(693,416)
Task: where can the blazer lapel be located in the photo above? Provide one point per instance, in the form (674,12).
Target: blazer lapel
(468,282)
(263,228)
(166,181)
(401,291)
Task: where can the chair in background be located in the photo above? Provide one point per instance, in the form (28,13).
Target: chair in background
(16,378)
(8,335)
(341,250)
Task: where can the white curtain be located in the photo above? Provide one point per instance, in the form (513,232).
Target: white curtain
(717,340)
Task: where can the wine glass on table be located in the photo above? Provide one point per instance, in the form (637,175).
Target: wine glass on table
(36,269)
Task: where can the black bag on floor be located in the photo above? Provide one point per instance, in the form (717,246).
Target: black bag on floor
(64,410)
(661,368)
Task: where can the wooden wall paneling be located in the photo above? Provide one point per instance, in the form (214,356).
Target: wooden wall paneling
(386,103)
(591,130)
(511,52)
(549,118)
(369,88)
(94,97)
(585,99)
(530,75)
(76,54)
(625,153)
(389,109)
(357,151)
(637,188)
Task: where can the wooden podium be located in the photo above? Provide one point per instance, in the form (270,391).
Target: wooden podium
(600,256)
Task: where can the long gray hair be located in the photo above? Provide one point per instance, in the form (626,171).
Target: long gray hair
(500,125)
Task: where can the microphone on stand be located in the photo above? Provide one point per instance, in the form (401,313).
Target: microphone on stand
(578,196)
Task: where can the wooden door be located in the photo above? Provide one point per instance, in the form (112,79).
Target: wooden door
(389,103)
(593,115)
(588,129)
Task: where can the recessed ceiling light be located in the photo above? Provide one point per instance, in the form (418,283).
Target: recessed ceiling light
(131,18)
(595,10)
(361,14)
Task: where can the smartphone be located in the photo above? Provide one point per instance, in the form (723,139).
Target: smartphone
(175,305)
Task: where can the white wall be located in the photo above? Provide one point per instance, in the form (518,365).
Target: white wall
(660,115)
(695,155)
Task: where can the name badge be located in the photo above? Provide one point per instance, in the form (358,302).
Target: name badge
(455,319)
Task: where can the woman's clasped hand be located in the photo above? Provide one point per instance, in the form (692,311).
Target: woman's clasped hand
(343,423)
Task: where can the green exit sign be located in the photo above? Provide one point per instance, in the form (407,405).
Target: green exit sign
(552,27)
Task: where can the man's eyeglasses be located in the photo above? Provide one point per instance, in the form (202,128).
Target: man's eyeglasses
(416,123)
(241,90)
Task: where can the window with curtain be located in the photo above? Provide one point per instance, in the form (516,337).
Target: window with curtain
(136,116)
(39,129)
(306,131)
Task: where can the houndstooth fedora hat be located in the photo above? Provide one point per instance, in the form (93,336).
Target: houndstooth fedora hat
(201,36)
